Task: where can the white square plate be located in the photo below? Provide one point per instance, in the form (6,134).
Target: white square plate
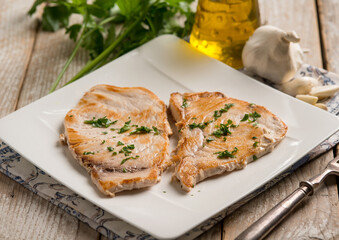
(165,65)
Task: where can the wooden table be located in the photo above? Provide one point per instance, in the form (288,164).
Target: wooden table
(31,59)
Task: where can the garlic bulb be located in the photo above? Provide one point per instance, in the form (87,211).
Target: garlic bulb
(273,54)
(297,86)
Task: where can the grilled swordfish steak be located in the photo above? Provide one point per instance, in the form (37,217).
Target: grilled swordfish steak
(120,135)
(219,134)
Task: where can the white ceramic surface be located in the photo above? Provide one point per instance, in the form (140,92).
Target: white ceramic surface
(165,65)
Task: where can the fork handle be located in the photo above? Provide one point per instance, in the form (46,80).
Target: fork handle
(266,223)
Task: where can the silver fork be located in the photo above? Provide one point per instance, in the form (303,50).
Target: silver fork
(260,228)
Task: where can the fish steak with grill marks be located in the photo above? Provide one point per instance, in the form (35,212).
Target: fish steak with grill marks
(219,134)
(120,135)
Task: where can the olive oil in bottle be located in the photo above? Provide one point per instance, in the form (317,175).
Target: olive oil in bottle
(222,28)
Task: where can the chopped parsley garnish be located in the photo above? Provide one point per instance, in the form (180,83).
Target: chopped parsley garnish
(141,130)
(114,153)
(218,113)
(251,104)
(255,144)
(227,154)
(124,170)
(199,125)
(245,118)
(103,141)
(254,137)
(210,139)
(88,153)
(104,133)
(126,159)
(225,139)
(134,125)
(126,127)
(255,157)
(110,149)
(184,103)
(100,122)
(70,115)
(112,129)
(120,143)
(127,149)
(156,131)
(223,129)
(250,117)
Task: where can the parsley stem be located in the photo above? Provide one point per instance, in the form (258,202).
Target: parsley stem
(75,50)
(89,66)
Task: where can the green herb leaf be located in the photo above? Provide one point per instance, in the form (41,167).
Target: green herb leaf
(127,149)
(88,153)
(126,159)
(156,131)
(110,149)
(251,117)
(184,103)
(199,125)
(73,31)
(120,143)
(141,130)
(55,17)
(126,127)
(209,139)
(245,118)
(100,122)
(218,113)
(223,129)
(227,154)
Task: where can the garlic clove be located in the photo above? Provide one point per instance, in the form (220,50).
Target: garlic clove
(298,86)
(321,105)
(308,98)
(273,54)
(324,91)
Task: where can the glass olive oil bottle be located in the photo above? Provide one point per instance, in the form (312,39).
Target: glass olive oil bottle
(222,28)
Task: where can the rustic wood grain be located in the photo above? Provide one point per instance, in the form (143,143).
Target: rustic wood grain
(17,36)
(50,54)
(329,18)
(316,218)
(300,16)
(25,215)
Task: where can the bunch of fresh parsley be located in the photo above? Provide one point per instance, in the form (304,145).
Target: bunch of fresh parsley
(138,21)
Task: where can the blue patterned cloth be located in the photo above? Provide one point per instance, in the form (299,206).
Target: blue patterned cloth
(31,177)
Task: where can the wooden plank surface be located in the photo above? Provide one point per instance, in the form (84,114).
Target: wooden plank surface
(329,17)
(316,218)
(25,49)
(30,60)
